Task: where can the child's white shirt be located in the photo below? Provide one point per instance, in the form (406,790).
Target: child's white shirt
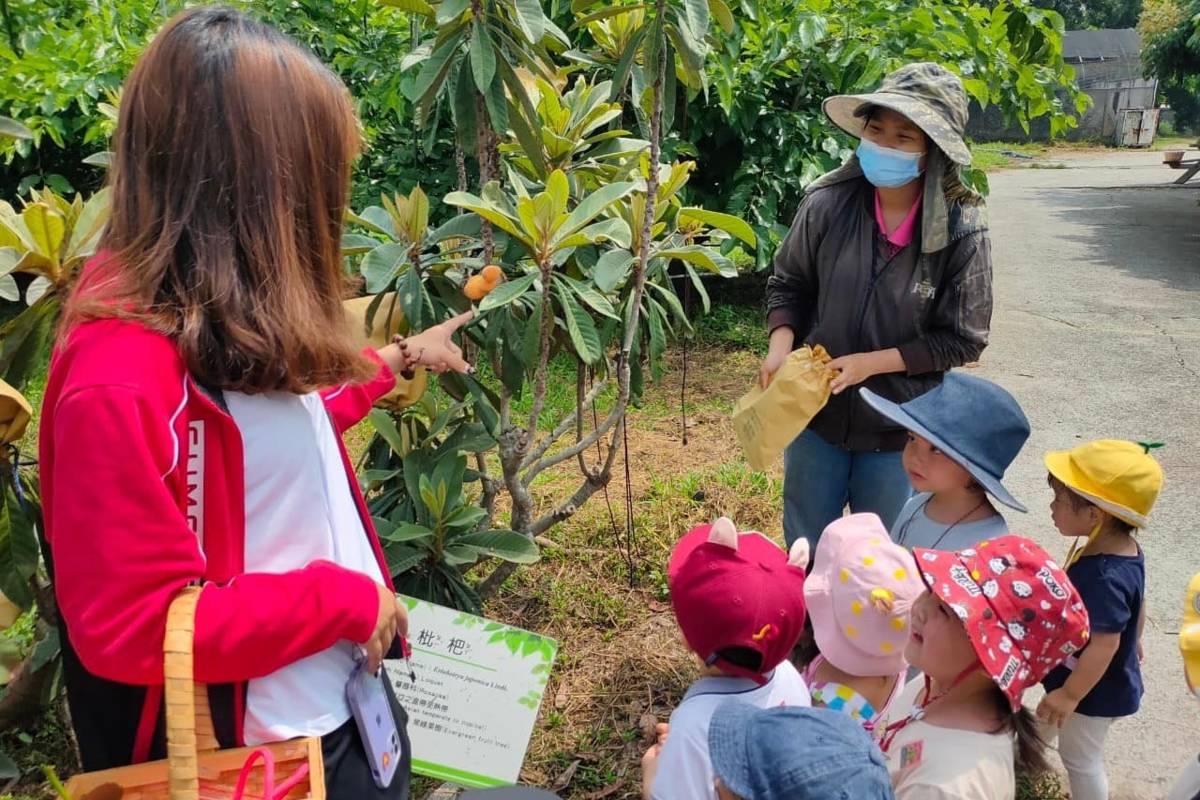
(929,762)
(684,768)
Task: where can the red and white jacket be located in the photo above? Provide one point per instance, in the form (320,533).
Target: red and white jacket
(143,494)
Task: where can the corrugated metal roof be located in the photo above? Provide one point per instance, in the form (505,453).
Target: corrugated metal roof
(1101,45)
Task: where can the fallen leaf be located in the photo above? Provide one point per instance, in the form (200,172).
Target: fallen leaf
(568,774)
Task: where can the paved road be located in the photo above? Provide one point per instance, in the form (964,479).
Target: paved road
(1097,333)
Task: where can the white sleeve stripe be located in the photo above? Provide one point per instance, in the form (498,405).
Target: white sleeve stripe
(340,389)
(171,428)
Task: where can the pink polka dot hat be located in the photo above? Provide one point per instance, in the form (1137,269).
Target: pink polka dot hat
(858,594)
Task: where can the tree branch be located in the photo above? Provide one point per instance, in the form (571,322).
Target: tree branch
(491,487)
(563,426)
(593,482)
(570,452)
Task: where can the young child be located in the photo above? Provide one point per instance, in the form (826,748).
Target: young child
(859,594)
(962,436)
(756,754)
(739,602)
(1103,490)
(995,620)
(1187,786)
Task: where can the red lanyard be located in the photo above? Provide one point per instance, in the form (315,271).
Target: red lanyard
(889,733)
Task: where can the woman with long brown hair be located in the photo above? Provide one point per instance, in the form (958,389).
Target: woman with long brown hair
(192,418)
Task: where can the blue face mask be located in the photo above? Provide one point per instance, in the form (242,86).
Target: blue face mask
(887,168)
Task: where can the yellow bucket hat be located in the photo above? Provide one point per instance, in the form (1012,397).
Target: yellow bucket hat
(1117,476)
(1189,635)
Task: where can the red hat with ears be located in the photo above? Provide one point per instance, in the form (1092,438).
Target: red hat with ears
(738,590)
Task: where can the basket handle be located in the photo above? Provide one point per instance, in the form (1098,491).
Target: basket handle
(189,719)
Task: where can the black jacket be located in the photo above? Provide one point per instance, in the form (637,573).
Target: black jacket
(836,283)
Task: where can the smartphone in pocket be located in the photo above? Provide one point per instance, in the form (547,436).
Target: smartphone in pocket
(372,711)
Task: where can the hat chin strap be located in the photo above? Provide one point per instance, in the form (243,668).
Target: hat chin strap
(970,670)
(1076,552)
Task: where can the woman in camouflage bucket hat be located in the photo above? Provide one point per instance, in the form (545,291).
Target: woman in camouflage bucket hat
(888,265)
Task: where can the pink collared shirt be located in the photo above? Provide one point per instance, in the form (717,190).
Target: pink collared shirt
(903,235)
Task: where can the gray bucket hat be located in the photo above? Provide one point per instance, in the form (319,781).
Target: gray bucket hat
(928,94)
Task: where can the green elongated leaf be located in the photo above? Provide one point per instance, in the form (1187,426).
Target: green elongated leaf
(369,476)
(47,229)
(813,28)
(411,6)
(402,558)
(612,269)
(102,159)
(559,191)
(460,555)
(624,65)
(433,74)
(354,244)
(37,287)
(605,13)
(411,293)
(726,222)
(699,284)
(697,17)
(379,266)
(469,437)
(385,426)
(690,51)
(530,19)
(369,220)
(10,257)
(18,548)
(406,532)
(463,111)
(489,212)
(531,342)
(704,257)
(483,56)
(465,518)
(590,295)
(507,292)
(580,327)
(25,341)
(463,226)
(449,10)
(45,651)
(13,129)
(503,544)
(593,205)
(613,229)
(89,224)
(497,106)
(8,768)
(723,15)
(531,145)
(668,297)
(8,289)
(434,499)
(654,321)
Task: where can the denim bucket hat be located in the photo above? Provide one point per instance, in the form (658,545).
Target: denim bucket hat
(978,425)
(795,753)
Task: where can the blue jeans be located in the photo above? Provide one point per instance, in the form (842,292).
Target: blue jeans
(819,479)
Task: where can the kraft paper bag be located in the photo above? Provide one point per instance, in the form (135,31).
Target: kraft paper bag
(15,413)
(406,392)
(767,420)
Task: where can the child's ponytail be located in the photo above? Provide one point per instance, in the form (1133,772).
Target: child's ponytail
(1031,747)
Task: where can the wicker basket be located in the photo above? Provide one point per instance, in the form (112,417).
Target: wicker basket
(194,768)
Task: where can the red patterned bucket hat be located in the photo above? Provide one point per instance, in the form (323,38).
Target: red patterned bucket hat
(1020,610)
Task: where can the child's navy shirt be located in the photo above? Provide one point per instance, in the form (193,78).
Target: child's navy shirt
(1112,588)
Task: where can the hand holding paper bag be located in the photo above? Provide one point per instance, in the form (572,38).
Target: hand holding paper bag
(767,420)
